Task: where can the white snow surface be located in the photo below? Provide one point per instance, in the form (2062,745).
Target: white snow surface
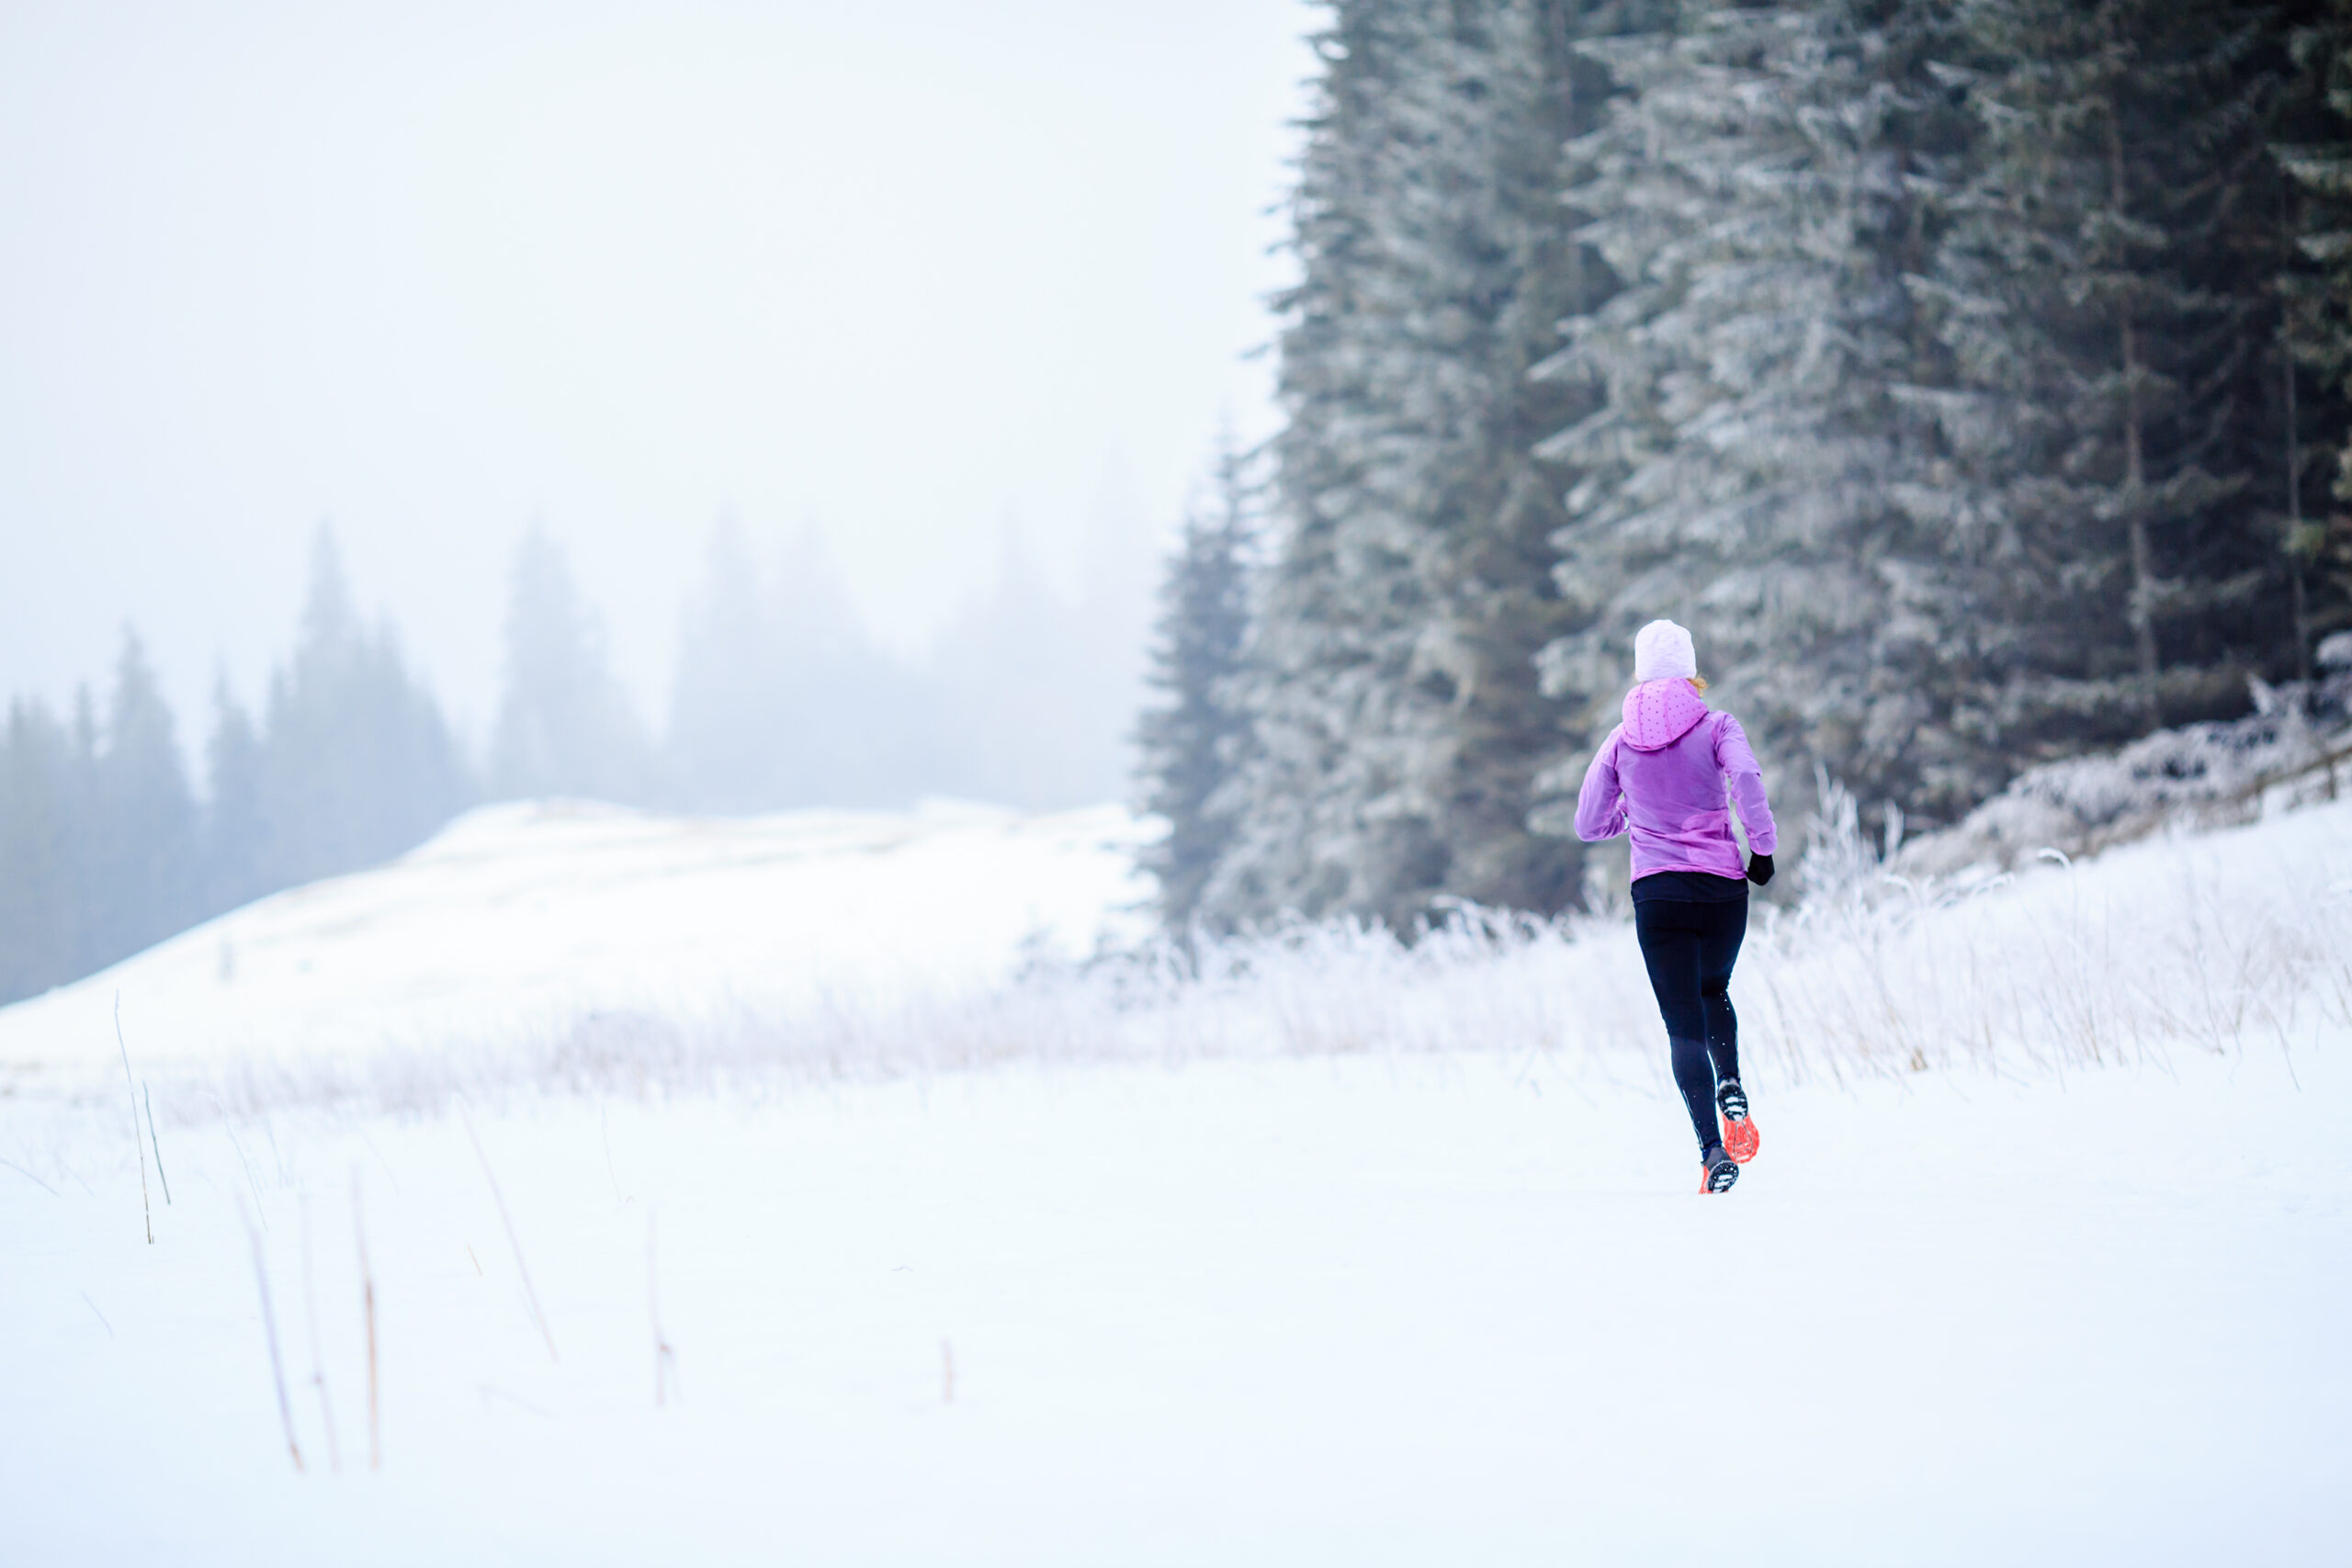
(2039,1262)
(521,918)
(1352,1310)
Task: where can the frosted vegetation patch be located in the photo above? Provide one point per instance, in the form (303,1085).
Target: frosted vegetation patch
(2295,747)
(2230,942)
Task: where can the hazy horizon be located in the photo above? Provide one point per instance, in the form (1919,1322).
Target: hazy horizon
(917,283)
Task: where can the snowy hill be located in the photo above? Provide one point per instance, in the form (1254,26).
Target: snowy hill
(1331,1251)
(521,918)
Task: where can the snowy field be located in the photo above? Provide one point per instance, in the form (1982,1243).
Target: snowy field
(533,922)
(1326,1253)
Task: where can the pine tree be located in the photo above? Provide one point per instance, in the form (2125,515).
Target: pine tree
(1747,465)
(356,763)
(142,877)
(236,830)
(725,746)
(103,850)
(1193,740)
(1016,727)
(2109,569)
(782,701)
(564,723)
(1929,398)
(2315,149)
(863,728)
(98,842)
(1396,712)
(44,851)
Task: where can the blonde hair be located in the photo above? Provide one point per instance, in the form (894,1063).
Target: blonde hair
(1698,684)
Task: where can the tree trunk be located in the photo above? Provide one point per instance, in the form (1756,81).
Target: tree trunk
(2135,473)
(2294,466)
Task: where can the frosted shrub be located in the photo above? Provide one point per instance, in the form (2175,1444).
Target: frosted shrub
(2223,943)
(2288,751)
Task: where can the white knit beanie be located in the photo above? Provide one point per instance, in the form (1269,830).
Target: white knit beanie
(1662,650)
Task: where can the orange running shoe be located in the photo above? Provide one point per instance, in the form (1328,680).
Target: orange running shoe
(1717,1170)
(1740,1140)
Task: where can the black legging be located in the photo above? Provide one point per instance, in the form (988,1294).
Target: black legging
(1689,949)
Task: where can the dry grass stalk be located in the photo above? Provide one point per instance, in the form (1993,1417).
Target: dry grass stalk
(269,1329)
(145,1209)
(665,1360)
(318,1360)
(157,1141)
(242,1163)
(368,1305)
(512,1240)
(29,1176)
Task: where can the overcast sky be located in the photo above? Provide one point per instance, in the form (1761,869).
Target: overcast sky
(908,273)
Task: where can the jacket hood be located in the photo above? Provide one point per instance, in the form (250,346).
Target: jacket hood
(1659,713)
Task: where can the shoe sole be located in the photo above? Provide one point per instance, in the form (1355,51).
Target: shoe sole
(1718,1179)
(1740,1139)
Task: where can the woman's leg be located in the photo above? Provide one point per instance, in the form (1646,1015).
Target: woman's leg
(1726,925)
(1670,937)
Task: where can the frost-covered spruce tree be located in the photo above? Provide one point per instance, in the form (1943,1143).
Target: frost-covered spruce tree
(2316,154)
(1194,736)
(2094,290)
(1750,466)
(1396,719)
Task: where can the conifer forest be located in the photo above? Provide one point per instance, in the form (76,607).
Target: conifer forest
(1970,376)
(1973,378)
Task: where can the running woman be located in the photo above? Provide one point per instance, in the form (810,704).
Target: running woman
(1664,774)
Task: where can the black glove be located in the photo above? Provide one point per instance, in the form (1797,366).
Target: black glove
(1760,869)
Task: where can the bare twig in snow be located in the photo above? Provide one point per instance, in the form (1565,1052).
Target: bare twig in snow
(29,1176)
(368,1305)
(145,1209)
(102,1317)
(269,1329)
(242,1163)
(157,1141)
(512,1239)
(318,1360)
(665,1360)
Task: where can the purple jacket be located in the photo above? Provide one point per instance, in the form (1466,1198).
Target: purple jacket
(1662,772)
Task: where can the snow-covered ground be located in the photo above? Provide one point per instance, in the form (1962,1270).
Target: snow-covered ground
(521,919)
(2039,1262)
(1405,1310)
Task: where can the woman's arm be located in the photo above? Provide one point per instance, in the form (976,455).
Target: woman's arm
(1601,806)
(1737,759)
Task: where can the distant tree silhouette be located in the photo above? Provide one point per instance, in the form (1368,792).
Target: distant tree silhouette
(356,764)
(564,723)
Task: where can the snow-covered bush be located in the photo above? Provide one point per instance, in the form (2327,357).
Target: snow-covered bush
(2199,774)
